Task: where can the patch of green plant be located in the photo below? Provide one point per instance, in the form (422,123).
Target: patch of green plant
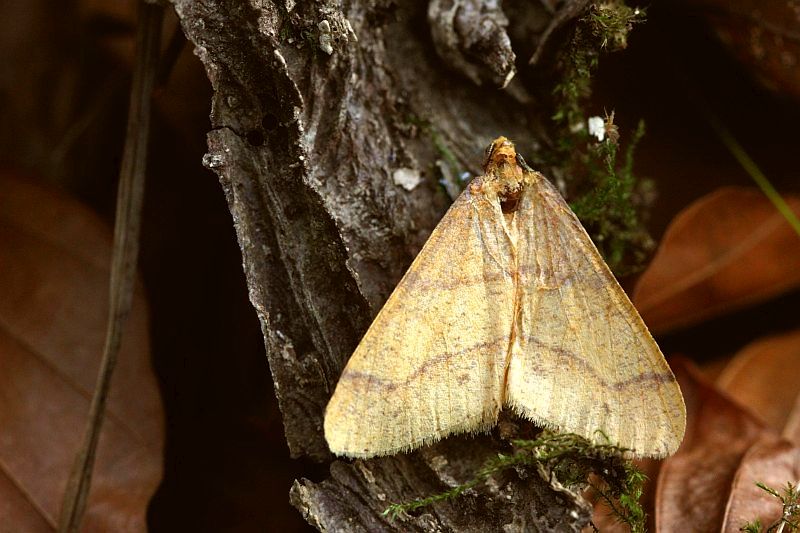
(570,459)
(624,499)
(607,205)
(790,516)
(606,196)
(448,166)
(603,28)
(752,527)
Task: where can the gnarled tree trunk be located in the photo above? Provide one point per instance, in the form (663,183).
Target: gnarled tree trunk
(333,123)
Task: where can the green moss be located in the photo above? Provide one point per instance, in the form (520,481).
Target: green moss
(623,499)
(752,527)
(790,517)
(606,205)
(605,187)
(570,459)
(603,28)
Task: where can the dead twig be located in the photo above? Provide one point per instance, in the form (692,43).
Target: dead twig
(125,252)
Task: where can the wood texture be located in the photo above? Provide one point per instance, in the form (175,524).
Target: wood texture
(510,309)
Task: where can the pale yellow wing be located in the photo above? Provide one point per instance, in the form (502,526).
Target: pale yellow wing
(433,361)
(583,360)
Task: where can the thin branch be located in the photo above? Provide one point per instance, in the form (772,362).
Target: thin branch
(125,253)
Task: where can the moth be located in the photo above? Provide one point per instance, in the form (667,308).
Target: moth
(508,304)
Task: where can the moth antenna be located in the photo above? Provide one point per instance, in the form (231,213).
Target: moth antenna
(521,162)
(488,154)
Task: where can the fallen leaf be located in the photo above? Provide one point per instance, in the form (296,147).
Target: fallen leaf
(762,35)
(693,484)
(54,257)
(763,376)
(791,431)
(771,461)
(713,368)
(728,249)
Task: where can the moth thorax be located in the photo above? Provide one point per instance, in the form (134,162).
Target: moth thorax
(509,199)
(509,186)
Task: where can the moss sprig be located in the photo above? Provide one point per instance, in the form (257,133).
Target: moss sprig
(605,188)
(569,459)
(623,499)
(790,516)
(752,527)
(607,202)
(603,28)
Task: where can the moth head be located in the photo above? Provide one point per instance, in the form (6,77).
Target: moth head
(499,154)
(503,174)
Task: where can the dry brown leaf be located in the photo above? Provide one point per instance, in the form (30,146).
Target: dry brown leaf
(54,257)
(791,431)
(763,35)
(764,377)
(772,461)
(726,250)
(693,484)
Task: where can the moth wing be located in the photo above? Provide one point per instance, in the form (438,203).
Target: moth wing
(432,362)
(584,360)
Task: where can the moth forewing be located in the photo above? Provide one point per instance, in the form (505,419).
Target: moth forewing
(431,362)
(585,361)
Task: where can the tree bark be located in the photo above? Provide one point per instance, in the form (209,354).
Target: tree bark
(332,124)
